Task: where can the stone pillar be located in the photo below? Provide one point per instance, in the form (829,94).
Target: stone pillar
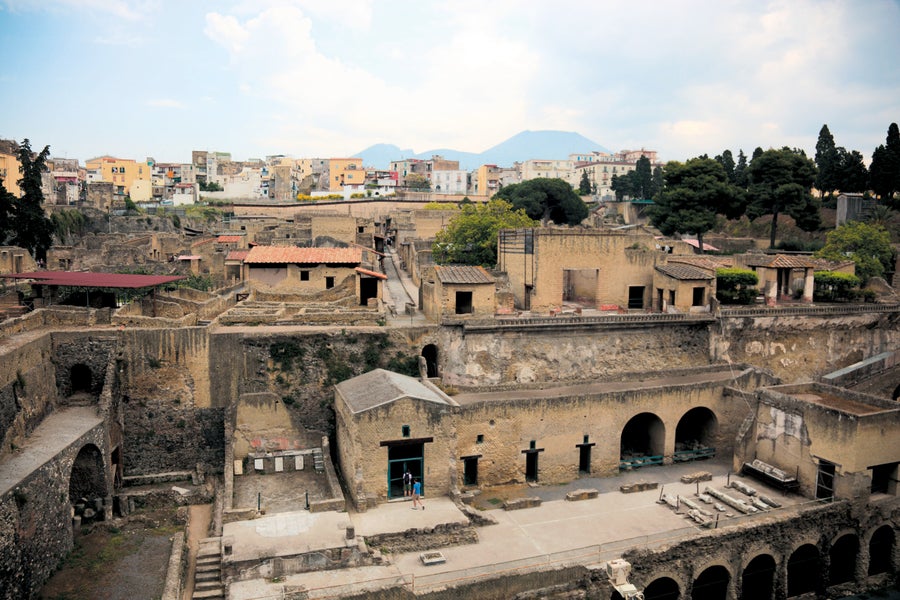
(808,286)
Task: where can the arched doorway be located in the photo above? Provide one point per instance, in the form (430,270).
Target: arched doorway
(757,582)
(86,482)
(664,588)
(695,433)
(803,570)
(842,556)
(643,436)
(881,549)
(430,354)
(80,377)
(711,584)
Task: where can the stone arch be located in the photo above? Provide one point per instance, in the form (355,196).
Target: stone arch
(696,429)
(881,550)
(662,588)
(843,555)
(644,434)
(81,378)
(803,570)
(758,578)
(86,479)
(711,584)
(430,354)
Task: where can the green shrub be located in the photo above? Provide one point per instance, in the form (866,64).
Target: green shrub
(834,286)
(736,286)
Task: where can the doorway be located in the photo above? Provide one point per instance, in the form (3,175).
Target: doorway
(584,460)
(403,458)
(825,480)
(470,470)
(531,466)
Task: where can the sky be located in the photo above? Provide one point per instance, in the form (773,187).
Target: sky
(329,78)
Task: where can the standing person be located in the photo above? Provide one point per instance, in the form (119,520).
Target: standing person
(417,491)
(407,483)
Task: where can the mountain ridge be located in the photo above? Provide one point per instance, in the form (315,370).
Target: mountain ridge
(525,145)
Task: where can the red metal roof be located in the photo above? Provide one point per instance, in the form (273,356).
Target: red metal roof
(104,280)
(307,256)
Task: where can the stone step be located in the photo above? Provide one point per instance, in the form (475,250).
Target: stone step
(208,573)
(207,551)
(218,594)
(209,557)
(200,586)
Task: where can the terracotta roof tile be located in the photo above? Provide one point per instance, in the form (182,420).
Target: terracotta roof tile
(237,255)
(229,239)
(202,242)
(463,274)
(684,272)
(375,274)
(782,261)
(306,256)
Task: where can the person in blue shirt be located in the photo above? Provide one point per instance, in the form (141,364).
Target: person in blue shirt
(416,493)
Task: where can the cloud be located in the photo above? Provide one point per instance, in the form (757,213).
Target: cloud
(130,10)
(165,103)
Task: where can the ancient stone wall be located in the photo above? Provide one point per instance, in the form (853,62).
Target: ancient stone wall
(803,346)
(36,523)
(78,351)
(526,355)
(27,391)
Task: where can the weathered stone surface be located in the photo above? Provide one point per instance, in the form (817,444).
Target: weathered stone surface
(520,503)
(695,477)
(638,486)
(585,494)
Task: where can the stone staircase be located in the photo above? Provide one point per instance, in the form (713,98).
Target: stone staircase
(208,575)
(318,460)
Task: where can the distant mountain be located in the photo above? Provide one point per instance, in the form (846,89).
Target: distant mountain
(521,147)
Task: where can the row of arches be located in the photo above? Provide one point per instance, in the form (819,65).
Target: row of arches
(807,570)
(645,433)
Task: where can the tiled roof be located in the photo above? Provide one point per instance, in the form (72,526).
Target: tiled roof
(374,274)
(711,263)
(379,387)
(463,274)
(696,244)
(306,256)
(202,242)
(782,261)
(229,239)
(237,255)
(683,271)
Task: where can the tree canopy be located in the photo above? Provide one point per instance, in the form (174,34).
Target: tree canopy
(637,184)
(868,245)
(885,168)
(23,221)
(417,182)
(471,236)
(694,192)
(827,163)
(780,182)
(546,199)
(584,186)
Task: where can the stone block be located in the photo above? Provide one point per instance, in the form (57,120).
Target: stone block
(584,494)
(695,477)
(638,486)
(519,503)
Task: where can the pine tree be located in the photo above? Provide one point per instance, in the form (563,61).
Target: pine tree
(32,229)
(584,186)
(884,171)
(726,159)
(740,170)
(780,182)
(827,161)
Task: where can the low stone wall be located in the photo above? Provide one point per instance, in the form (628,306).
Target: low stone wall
(429,538)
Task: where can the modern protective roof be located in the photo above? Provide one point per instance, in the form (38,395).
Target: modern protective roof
(463,274)
(379,387)
(307,256)
(684,272)
(99,280)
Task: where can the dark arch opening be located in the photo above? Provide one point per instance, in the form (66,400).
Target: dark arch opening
(86,480)
(896,395)
(881,549)
(430,353)
(80,377)
(696,430)
(663,588)
(643,435)
(842,557)
(711,584)
(803,570)
(758,581)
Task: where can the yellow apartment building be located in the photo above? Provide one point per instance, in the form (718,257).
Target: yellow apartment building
(9,173)
(343,171)
(121,172)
